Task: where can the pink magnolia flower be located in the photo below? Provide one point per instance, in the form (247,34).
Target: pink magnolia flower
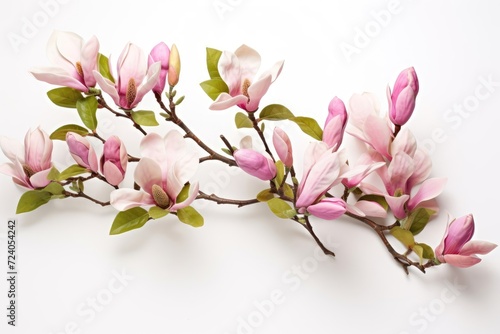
(74,61)
(322,168)
(367,125)
(167,164)
(82,151)
(255,163)
(238,70)
(402,99)
(160,53)
(30,164)
(335,124)
(457,248)
(135,79)
(283,146)
(114,160)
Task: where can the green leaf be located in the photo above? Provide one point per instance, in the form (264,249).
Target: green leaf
(179,100)
(265,195)
(262,126)
(60,133)
(54,188)
(225,150)
(32,199)
(280,173)
(288,191)
(214,87)
(184,194)
(242,121)
(128,220)
(419,251)
(190,216)
(281,208)
(71,171)
(87,108)
(156,212)
(406,237)
(309,126)
(213,57)
(53,174)
(418,219)
(65,97)
(144,117)
(103,66)
(275,112)
(428,252)
(377,199)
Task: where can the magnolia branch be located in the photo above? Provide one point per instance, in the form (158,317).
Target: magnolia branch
(220,200)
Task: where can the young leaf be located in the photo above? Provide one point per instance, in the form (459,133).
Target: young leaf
(281,208)
(406,237)
(428,252)
(242,121)
(265,195)
(156,212)
(60,133)
(184,194)
(418,219)
(128,220)
(64,97)
(190,216)
(213,57)
(309,126)
(103,66)
(288,191)
(280,173)
(144,117)
(419,251)
(225,150)
(71,171)
(53,174)
(87,108)
(32,199)
(54,188)
(214,87)
(275,112)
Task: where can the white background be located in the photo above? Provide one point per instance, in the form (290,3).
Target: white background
(213,279)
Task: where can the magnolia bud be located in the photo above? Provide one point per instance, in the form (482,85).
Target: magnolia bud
(335,124)
(402,99)
(174,66)
(160,53)
(255,164)
(283,146)
(114,160)
(82,151)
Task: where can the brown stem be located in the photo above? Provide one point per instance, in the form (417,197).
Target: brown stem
(102,102)
(397,128)
(402,259)
(307,225)
(220,200)
(251,116)
(83,195)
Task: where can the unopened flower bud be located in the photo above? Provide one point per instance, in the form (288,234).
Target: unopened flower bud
(283,146)
(82,151)
(160,53)
(402,98)
(335,124)
(114,160)
(255,164)
(174,66)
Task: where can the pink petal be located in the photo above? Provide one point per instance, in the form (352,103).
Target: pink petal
(63,50)
(112,174)
(477,247)
(283,146)
(12,149)
(423,167)
(132,64)
(225,101)
(256,91)
(404,142)
(357,174)
(108,87)
(397,205)
(378,134)
(124,199)
(180,173)
(399,171)
(230,72)
(328,208)
(249,62)
(255,164)
(59,77)
(15,170)
(40,180)
(153,146)
(334,132)
(89,54)
(274,71)
(461,261)
(148,173)
(152,77)
(313,153)
(430,189)
(371,209)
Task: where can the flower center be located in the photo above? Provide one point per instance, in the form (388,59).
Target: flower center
(160,197)
(28,171)
(244,87)
(131,92)
(79,68)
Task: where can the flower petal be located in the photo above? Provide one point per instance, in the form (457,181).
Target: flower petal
(152,78)
(249,61)
(107,86)
(430,189)
(193,193)
(112,173)
(461,261)
(40,180)
(148,173)
(477,247)
(328,208)
(132,64)
(89,54)
(124,199)
(256,91)
(225,101)
(371,209)
(397,205)
(59,77)
(12,149)
(230,72)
